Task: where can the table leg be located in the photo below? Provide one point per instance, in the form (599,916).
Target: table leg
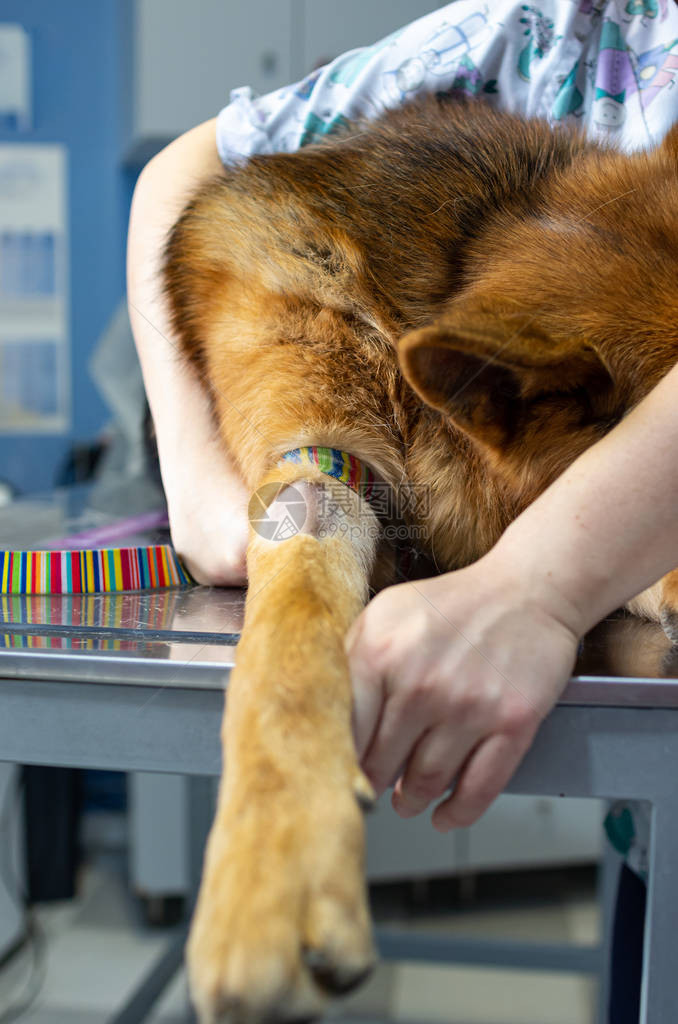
(659,994)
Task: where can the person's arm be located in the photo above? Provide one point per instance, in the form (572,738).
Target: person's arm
(453,675)
(608,527)
(205,496)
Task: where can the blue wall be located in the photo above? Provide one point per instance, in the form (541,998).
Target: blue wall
(81,66)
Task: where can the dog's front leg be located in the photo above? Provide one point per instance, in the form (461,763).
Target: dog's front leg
(282,916)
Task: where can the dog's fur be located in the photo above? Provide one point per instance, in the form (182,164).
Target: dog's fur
(465,300)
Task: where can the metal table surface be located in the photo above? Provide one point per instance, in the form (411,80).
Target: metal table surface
(136,682)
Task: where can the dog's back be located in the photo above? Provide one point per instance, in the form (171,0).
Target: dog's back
(375,221)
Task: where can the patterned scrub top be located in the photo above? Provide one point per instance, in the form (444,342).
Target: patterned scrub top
(610,65)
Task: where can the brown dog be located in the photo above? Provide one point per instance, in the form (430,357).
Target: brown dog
(464,301)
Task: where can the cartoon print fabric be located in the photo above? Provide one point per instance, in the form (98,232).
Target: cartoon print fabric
(610,64)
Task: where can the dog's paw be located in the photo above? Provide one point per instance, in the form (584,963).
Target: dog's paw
(281,921)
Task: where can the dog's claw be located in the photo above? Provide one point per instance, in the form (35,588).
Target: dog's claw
(364,792)
(332,978)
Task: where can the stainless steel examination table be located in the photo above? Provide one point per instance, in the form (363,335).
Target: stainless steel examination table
(135,682)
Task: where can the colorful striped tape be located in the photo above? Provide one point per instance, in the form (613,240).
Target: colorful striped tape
(340,465)
(97,571)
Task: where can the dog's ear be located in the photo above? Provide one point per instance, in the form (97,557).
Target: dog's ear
(487,370)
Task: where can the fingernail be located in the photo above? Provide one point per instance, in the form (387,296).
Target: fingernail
(406,808)
(402,810)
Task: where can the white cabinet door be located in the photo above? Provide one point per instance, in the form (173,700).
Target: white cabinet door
(331,28)
(524,831)
(516,832)
(398,849)
(189,55)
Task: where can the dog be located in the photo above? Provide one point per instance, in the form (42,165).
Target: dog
(448,302)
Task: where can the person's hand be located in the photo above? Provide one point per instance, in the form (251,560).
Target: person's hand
(207,509)
(452,677)
(210,537)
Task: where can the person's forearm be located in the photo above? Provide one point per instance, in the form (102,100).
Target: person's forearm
(206,498)
(608,527)
(184,425)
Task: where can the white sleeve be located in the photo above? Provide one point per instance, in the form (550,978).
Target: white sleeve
(508,52)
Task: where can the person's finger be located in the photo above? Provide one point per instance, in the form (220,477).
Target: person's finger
(406,717)
(438,756)
(368,689)
(481,780)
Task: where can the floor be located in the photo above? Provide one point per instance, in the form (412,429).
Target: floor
(97,949)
